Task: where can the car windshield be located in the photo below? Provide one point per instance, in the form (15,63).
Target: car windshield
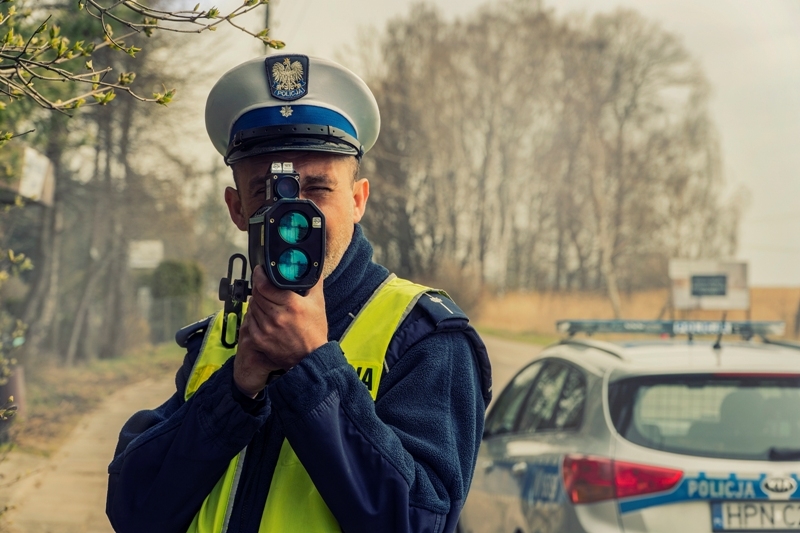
(712,415)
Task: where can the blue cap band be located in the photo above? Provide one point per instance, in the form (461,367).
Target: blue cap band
(300,114)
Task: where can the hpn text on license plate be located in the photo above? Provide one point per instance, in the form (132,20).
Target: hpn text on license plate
(756,516)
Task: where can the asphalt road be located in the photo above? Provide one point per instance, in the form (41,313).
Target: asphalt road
(66,494)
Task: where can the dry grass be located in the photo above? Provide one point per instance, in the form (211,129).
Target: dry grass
(527,337)
(538,312)
(57,397)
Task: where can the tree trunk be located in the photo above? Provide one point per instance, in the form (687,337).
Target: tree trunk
(38,313)
(606,243)
(98,260)
(82,313)
(42,309)
(52,300)
(612,287)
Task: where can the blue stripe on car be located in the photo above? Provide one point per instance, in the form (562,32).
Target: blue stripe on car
(701,488)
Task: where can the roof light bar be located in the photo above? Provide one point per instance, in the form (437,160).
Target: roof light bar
(673,327)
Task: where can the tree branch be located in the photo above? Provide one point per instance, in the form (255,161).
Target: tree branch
(27,53)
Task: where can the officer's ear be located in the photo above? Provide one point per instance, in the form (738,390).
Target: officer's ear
(235,209)
(360,195)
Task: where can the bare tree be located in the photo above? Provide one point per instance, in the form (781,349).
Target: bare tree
(544,153)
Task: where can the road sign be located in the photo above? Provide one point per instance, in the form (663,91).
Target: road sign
(145,253)
(714,285)
(709,284)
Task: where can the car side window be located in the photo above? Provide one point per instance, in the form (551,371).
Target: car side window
(569,414)
(504,413)
(544,398)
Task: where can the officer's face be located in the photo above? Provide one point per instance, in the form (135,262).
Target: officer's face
(325,179)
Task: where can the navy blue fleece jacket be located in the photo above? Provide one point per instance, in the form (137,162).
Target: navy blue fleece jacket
(401,463)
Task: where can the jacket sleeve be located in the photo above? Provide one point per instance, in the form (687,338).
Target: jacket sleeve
(168,459)
(403,463)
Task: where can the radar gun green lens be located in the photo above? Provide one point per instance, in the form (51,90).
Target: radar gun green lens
(293,264)
(293,227)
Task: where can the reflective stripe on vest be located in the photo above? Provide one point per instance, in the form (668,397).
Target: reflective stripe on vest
(364,345)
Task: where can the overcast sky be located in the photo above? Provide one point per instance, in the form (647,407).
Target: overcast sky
(750,51)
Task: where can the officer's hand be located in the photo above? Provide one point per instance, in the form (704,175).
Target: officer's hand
(279,330)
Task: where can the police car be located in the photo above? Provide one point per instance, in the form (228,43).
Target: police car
(669,435)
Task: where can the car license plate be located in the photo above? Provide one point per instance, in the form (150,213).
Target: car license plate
(756,516)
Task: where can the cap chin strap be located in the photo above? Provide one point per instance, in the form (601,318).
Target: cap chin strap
(304,137)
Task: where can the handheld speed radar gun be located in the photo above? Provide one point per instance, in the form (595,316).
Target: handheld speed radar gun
(286,236)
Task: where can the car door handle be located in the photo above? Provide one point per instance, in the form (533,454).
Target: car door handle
(519,468)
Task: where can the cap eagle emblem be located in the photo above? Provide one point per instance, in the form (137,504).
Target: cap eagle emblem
(287,75)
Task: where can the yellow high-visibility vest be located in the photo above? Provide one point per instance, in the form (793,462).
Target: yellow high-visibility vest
(364,345)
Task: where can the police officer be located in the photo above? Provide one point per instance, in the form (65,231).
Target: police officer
(357,407)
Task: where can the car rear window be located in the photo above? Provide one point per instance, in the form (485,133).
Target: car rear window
(733,416)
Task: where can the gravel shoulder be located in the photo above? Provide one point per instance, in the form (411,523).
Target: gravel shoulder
(66,493)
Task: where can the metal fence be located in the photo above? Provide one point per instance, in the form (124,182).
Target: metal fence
(168,315)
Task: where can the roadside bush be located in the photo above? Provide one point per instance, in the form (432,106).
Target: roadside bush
(176,288)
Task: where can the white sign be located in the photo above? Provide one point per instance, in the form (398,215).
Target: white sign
(36,169)
(32,175)
(709,284)
(145,254)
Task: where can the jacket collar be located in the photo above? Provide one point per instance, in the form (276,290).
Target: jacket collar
(351,283)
